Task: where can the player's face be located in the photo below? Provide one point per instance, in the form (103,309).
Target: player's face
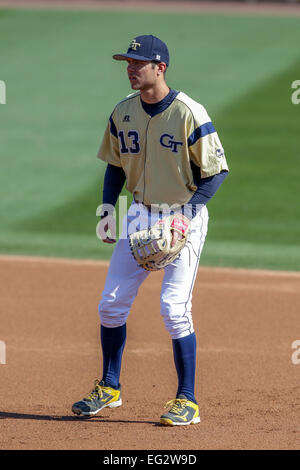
(142,75)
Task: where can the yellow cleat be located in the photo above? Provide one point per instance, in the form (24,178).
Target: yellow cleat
(100,397)
(181,413)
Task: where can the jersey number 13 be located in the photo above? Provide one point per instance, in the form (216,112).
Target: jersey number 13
(129,144)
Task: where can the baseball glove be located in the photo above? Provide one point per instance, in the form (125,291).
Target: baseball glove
(151,247)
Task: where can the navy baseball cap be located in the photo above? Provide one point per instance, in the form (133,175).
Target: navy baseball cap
(146,48)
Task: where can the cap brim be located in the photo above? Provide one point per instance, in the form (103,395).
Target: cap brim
(131,56)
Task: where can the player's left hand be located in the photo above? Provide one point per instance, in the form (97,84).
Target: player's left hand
(180,224)
(157,246)
(175,236)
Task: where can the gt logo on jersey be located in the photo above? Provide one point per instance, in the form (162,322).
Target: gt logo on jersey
(166,140)
(134,45)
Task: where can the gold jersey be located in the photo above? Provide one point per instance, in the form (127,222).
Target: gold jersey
(156,152)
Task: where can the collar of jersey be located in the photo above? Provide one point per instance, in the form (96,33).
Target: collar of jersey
(156,108)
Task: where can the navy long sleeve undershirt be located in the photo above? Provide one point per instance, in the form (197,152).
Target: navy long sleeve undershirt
(114,180)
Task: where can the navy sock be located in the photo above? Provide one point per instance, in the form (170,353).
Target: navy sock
(112,342)
(184,351)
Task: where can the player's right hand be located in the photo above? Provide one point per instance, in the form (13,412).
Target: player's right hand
(108,239)
(106,229)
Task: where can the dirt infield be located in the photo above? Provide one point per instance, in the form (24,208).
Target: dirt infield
(247,384)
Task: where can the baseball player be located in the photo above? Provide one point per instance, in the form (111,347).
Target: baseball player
(163,144)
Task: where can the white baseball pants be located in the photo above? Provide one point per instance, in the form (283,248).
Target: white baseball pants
(125,277)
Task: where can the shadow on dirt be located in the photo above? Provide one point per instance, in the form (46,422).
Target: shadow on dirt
(94,419)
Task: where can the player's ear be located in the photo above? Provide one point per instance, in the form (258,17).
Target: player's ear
(161,68)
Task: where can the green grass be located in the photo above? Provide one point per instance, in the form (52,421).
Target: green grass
(261,136)
(62,85)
